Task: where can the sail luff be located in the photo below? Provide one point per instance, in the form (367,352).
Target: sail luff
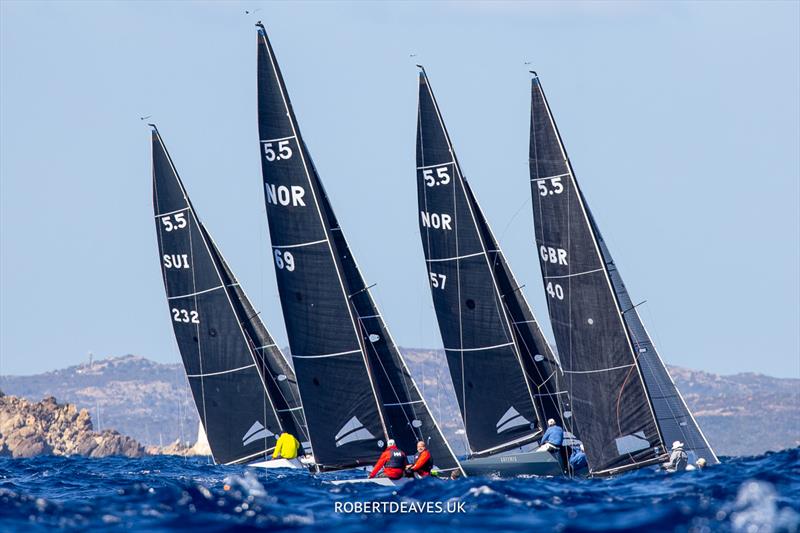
(633,446)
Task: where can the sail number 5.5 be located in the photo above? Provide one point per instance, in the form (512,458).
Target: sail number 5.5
(179,221)
(284,151)
(556,187)
(441,177)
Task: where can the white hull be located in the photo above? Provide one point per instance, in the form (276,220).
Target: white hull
(278,463)
(383,481)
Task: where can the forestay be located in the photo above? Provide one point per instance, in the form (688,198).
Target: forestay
(624,403)
(498,359)
(243,388)
(356,388)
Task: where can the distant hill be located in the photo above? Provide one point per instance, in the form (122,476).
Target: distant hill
(741,414)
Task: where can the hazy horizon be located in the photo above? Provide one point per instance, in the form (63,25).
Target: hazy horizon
(682,122)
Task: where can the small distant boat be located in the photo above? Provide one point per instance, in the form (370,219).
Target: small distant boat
(625,404)
(244,389)
(505,374)
(357,390)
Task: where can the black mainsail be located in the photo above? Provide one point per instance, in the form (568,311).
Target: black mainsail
(244,389)
(357,390)
(625,405)
(504,372)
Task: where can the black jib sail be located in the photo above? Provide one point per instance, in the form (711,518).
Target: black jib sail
(357,390)
(244,390)
(624,403)
(502,368)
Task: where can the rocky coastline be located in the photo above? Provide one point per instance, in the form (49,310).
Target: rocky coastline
(29,429)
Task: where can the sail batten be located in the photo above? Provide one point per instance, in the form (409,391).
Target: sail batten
(225,374)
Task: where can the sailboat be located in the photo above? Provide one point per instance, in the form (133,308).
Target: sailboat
(357,390)
(244,389)
(504,372)
(624,402)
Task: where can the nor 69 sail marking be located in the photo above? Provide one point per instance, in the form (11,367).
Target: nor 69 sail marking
(284,260)
(436,220)
(283,195)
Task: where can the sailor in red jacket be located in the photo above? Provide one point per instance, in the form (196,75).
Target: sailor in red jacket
(392,460)
(424,463)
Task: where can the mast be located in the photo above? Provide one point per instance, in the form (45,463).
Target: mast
(611,405)
(495,398)
(236,411)
(356,389)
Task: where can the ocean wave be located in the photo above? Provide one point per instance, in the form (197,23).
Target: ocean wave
(749,495)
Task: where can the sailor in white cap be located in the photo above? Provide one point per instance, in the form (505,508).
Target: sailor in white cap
(678,459)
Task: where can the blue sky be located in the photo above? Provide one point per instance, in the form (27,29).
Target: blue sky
(681,119)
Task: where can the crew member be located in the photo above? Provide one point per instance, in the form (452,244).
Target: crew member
(552,438)
(392,460)
(286,446)
(577,458)
(678,459)
(424,463)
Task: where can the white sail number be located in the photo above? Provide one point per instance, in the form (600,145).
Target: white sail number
(176,260)
(557,256)
(544,190)
(182,315)
(441,177)
(283,195)
(555,290)
(437,280)
(284,260)
(179,223)
(436,220)
(284,151)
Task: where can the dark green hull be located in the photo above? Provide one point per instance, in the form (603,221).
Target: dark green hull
(514,464)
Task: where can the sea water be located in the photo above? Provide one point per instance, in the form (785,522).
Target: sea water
(752,494)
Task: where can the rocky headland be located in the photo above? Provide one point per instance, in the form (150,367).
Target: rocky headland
(28,429)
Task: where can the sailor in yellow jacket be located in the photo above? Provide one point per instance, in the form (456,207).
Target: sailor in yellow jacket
(286,447)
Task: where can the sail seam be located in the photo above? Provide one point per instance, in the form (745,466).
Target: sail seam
(550,177)
(439,165)
(599,370)
(195,293)
(454,258)
(279,139)
(573,275)
(172,212)
(402,403)
(324,355)
(220,372)
(309,243)
(478,349)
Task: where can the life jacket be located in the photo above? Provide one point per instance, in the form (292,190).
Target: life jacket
(397,459)
(426,467)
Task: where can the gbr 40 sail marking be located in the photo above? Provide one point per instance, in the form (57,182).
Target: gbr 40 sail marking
(625,405)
